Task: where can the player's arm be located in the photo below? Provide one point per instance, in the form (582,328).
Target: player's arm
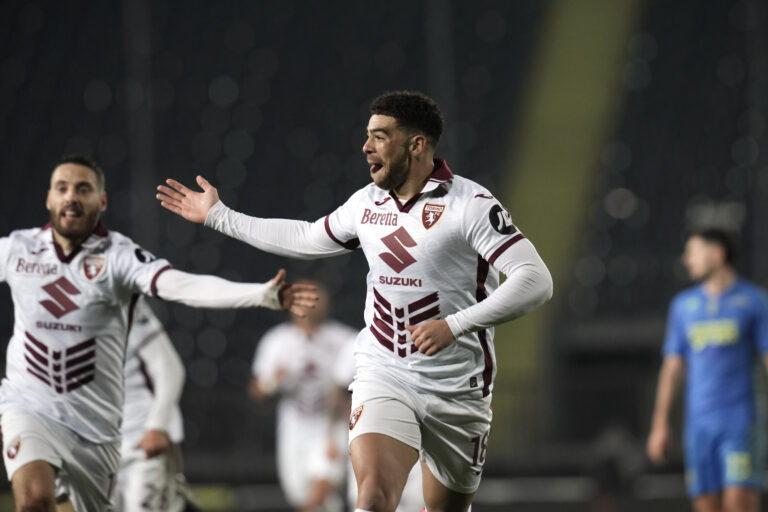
(528,284)
(5,247)
(166,370)
(672,370)
(214,292)
(291,238)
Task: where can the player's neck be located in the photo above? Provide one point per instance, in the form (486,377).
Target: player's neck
(417,178)
(721,280)
(67,244)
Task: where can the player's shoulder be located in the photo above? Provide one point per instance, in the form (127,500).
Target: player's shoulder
(339,329)
(472,194)
(687,299)
(747,290)
(281,330)
(25,235)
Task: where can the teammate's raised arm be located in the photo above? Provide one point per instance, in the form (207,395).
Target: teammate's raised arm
(187,203)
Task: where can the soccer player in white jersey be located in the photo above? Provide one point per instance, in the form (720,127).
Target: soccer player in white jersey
(296,361)
(435,243)
(73,285)
(150,476)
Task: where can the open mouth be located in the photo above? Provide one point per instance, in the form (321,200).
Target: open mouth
(71,214)
(375,168)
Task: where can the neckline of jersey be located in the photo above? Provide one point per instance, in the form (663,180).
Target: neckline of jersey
(440,174)
(99,230)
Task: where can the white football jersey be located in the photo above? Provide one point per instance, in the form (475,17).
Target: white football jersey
(428,258)
(139,385)
(308,363)
(71,317)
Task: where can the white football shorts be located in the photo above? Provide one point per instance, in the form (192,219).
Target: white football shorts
(85,471)
(450,434)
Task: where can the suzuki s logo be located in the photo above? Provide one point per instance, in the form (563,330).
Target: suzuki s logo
(399,258)
(61,303)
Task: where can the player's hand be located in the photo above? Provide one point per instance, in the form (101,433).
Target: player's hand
(154,442)
(187,203)
(658,440)
(431,337)
(295,298)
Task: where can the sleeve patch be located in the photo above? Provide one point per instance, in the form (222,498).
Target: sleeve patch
(501,220)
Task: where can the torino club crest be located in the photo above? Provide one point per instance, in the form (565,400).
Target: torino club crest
(431,214)
(93,266)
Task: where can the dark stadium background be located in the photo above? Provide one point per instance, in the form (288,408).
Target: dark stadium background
(607,128)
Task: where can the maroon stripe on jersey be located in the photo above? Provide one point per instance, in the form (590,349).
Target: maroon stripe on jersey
(481,294)
(147,377)
(399,312)
(422,302)
(507,245)
(45,381)
(34,365)
(405,207)
(384,315)
(71,363)
(402,352)
(39,344)
(153,286)
(384,302)
(83,369)
(384,341)
(488,370)
(442,172)
(82,382)
(65,258)
(386,329)
(80,347)
(417,319)
(34,354)
(349,244)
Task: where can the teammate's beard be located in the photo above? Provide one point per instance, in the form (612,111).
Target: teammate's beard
(398,172)
(76,234)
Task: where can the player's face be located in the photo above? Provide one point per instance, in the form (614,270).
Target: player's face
(701,258)
(75,201)
(386,151)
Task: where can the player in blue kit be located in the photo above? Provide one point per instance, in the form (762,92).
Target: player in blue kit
(717,335)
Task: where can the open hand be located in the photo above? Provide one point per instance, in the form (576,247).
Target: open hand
(431,337)
(187,203)
(295,298)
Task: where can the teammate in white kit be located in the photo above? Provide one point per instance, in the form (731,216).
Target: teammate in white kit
(296,360)
(150,477)
(74,284)
(435,243)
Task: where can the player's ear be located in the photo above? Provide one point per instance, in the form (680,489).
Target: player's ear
(418,144)
(103,202)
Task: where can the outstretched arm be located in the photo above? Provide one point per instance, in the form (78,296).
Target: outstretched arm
(214,292)
(292,238)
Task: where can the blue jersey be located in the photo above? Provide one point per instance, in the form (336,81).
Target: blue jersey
(722,340)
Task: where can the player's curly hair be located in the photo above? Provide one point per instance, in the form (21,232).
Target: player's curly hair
(85,161)
(414,111)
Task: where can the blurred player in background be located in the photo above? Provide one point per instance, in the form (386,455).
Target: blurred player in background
(74,286)
(150,476)
(717,335)
(295,360)
(343,375)
(435,243)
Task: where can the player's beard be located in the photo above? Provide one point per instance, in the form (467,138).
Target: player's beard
(398,172)
(77,230)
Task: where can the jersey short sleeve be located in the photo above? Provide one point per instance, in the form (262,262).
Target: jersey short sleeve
(761,323)
(137,269)
(488,227)
(675,340)
(5,245)
(267,356)
(340,225)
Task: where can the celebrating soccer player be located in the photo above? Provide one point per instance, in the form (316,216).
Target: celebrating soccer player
(74,285)
(435,243)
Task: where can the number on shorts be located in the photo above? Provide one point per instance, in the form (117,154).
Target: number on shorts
(481,443)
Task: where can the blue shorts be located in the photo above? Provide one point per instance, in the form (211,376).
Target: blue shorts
(719,456)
